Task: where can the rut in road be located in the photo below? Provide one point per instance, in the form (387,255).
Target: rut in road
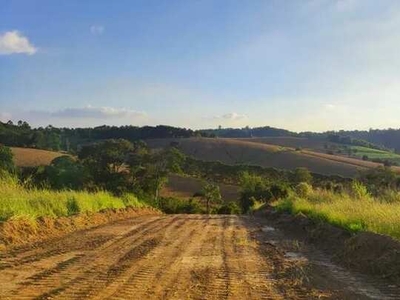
(157,257)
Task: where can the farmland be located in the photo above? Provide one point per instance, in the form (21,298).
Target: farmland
(28,157)
(234,151)
(359,152)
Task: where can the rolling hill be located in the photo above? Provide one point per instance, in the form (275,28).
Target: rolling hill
(239,151)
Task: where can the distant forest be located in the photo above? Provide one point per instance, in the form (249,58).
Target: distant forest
(69,139)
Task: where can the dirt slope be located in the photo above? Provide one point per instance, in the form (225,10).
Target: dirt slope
(174,257)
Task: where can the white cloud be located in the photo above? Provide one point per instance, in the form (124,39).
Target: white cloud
(230,117)
(97,29)
(97,113)
(12,42)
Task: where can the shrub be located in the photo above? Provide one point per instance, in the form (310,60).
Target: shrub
(229,209)
(279,191)
(303,189)
(302,175)
(246,203)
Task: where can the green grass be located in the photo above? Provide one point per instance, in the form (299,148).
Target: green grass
(16,201)
(353,213)
(375,153)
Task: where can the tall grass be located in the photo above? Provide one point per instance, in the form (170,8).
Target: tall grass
(16,200)
(353,211)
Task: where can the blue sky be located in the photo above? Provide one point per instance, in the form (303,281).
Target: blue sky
(302,65)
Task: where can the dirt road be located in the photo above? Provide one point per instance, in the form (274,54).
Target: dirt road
(176,257)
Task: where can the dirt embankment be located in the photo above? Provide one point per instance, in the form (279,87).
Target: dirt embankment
(365,252)
(24,230)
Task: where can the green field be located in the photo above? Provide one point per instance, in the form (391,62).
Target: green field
(359,152)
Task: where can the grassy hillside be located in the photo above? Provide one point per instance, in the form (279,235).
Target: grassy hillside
(234,151)
(359,152)
(28,157)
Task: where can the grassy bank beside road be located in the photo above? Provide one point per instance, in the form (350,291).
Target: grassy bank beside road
(355,213)
(16,200)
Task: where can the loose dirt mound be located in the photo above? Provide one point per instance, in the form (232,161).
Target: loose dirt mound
(21,230)
(373,253)
(369,253)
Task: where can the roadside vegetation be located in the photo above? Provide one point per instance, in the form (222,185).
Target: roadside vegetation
(19,201)
(371,203)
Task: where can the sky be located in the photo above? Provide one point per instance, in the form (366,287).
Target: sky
(302,65)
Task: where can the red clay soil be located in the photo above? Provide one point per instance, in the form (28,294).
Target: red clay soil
(21,230)
(173,257)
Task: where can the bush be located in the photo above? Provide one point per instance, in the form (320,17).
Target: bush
(302,175)
(279,191)
(229,209)
(303,189)
(246,203)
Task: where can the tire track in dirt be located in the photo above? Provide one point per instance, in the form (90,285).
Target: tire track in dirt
(154,277)
(112,262)
(250,278)
(162,257)
(86,264)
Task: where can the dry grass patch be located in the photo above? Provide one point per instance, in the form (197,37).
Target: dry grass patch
(28,157)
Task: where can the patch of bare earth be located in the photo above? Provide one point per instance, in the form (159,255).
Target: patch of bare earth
(169,257)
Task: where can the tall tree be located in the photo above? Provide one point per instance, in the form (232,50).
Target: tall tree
(6,159)
(151,169)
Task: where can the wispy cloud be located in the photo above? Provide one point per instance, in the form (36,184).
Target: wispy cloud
(97,29)
(13,42)
(233,116)
(97,113)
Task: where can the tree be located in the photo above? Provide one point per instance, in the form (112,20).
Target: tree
(106,163)
(64,172)
(253,188)
(6,159)
(53,141)
(212,194)
(150,170)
